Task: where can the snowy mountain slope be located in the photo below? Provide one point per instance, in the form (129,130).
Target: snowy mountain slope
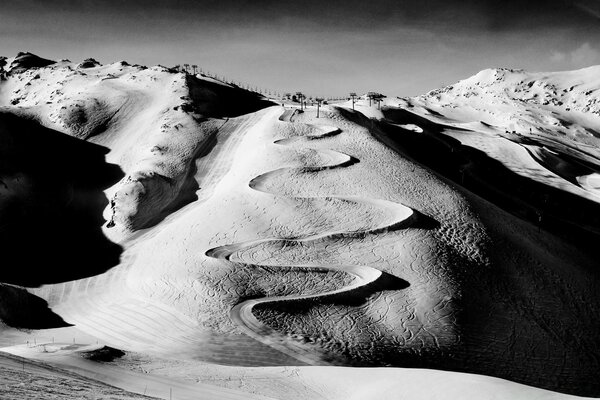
(258,237)
(194,380)
(537,131)
(170,295)
(23,61)
(26,379)
(558,104)
(152,119)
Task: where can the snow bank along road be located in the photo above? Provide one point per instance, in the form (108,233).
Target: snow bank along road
(398,216)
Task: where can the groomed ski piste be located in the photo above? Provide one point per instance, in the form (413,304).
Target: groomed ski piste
(266,253)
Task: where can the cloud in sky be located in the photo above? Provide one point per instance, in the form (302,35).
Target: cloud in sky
(583,56)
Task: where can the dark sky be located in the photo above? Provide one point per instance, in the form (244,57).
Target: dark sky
(398,47)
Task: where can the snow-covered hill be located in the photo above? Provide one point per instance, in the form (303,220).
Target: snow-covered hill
(544,127)
(154,121)
(250,234)
(557,103)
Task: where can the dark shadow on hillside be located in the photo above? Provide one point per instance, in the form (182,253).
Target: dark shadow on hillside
(25,60)
(216,100)
(51,203)
(189,190)
(23,310)
(573,218)
(206,102)
(422,221)
(353,298)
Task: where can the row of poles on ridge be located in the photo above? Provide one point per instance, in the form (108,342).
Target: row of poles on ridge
(299,97)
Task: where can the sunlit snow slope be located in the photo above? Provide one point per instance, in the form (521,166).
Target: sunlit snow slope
(227,229)
(555,117)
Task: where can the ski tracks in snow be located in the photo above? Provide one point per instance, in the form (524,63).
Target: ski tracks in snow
(397,216)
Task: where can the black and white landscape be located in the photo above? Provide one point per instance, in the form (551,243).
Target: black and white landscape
(169,232)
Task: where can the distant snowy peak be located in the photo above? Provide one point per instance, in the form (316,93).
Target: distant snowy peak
(88,63)
(507,77)
(22,62)
(571,90)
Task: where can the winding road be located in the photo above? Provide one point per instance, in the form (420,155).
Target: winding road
(398,216)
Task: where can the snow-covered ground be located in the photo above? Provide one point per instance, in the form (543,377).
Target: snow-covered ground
(555,117)
(24,378)
(189,380)
(261,238)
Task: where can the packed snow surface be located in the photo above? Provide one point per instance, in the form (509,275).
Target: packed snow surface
(248,238)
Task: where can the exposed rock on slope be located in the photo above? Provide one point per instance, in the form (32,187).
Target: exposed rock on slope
(88,63)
